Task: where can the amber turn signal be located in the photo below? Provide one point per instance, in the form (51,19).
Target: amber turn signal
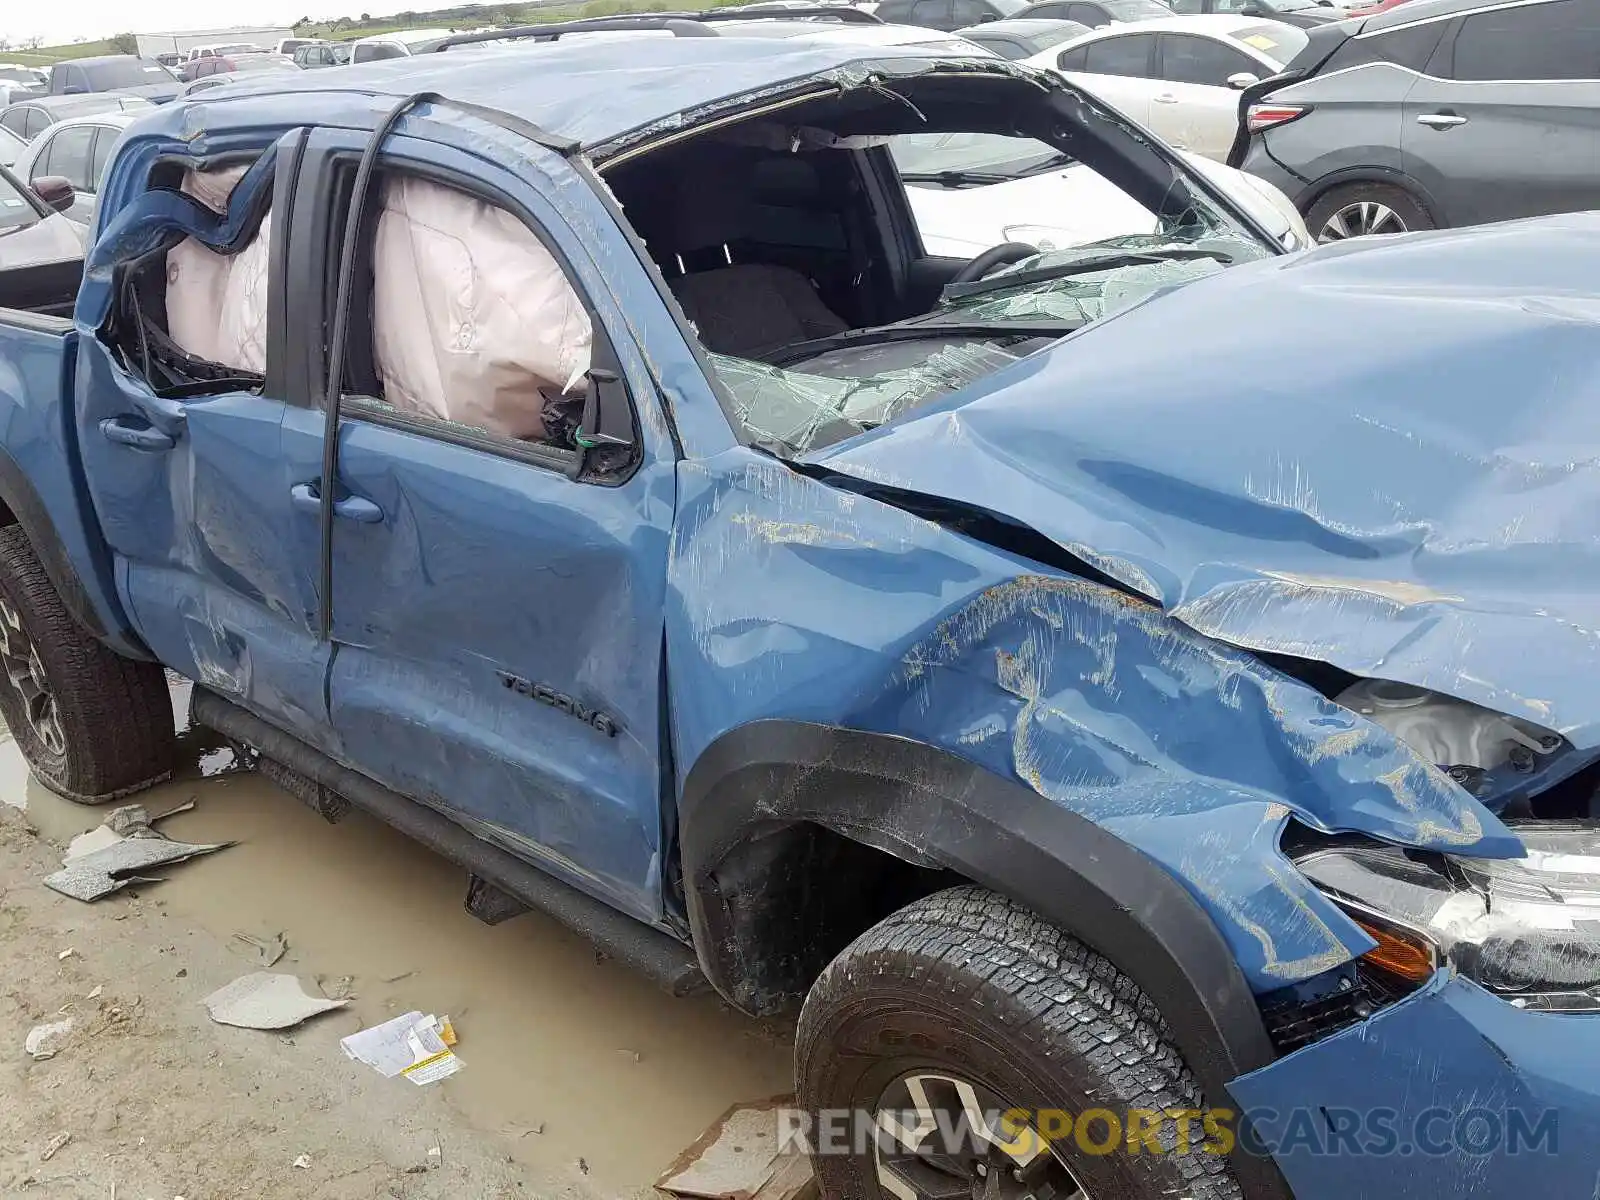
(1402,954)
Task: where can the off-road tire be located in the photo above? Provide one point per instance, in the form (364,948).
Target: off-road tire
(1408,215)
(113,716)
(967,982)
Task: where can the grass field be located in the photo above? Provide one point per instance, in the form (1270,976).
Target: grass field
(466,18)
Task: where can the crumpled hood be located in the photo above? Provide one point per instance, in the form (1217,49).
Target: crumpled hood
(1382,455)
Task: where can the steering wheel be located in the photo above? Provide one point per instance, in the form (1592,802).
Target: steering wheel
(1002,255)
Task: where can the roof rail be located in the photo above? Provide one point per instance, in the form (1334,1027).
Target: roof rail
(679,24)
(843,13)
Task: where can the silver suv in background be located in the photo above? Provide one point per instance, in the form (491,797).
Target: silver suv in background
(1435,113)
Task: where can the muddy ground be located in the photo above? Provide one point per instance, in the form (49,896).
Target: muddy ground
(581,1080)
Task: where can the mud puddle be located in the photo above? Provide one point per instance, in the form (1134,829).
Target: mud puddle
(567,1058)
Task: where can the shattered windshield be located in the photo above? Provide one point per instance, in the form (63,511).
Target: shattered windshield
(810,404)
(771,246)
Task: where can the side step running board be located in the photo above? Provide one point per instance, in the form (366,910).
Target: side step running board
(649,951)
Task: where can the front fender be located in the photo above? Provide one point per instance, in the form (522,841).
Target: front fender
(795,600)
(931,808)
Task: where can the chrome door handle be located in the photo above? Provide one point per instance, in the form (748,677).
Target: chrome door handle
(1441,120)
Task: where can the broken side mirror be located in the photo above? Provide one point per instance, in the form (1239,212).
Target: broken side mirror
(56,191)
(607,415)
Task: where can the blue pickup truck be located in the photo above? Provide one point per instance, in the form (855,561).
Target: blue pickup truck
(1135,701)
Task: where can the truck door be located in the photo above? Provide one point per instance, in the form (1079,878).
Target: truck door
(195,503)
(497,606)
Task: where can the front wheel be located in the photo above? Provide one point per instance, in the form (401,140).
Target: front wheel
(94,726)
(990,1056)
(1364,210)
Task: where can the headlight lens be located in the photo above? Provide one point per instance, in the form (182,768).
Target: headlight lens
(1527,929)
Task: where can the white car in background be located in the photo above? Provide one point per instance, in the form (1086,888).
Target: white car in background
(76,150)
(402,43)
(971,191)
(11,147)
(1179,77)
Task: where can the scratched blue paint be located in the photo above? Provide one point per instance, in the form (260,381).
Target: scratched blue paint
(1422,510)
(791,598)
(1412,1075)
(781,596)
(1173,448)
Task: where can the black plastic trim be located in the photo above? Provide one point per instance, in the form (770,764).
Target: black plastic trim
(643,947)
(292,152)
(931,808)
(536,454)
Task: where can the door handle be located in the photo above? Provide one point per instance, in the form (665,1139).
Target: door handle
(307,498)
(1166,98)
(131,431)
(1441,120)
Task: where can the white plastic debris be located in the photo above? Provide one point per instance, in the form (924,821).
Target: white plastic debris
(412,1045)
(742,1154)
(44,1041)
(265,950)
(110,857)
(302,1161)
(265,1001)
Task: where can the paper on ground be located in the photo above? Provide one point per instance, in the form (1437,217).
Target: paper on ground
(412,1045)
(265,1001)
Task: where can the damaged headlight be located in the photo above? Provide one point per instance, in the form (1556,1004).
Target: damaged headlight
(1527,929)
(1492,756)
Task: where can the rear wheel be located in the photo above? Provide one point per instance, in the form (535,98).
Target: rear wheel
(93,725)
(1363,210)
(989,1055)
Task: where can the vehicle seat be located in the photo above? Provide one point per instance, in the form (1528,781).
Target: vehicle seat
(744,309)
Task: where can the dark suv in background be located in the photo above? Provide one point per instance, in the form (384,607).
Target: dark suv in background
(1096,14)
(1435,113)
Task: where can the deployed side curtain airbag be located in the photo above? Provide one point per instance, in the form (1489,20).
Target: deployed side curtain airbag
(473,319)
(217,303)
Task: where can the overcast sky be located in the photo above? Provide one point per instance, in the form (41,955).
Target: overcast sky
(65,20)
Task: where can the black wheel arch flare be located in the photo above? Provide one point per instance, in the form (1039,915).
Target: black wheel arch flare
(754,792)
